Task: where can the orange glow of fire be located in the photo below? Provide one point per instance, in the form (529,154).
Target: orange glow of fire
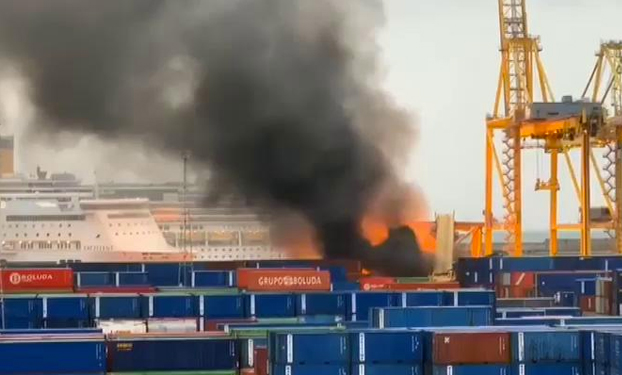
(376,232)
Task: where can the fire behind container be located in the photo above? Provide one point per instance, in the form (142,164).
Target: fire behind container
(399,255)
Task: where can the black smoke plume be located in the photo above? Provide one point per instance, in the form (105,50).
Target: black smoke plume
(279,98)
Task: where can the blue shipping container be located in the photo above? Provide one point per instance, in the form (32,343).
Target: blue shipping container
(172,354)
(93,279)
(70,306)
(131,279)
(471,370)
(447,316)
(59,356)
(173,306)
(586,287)
(422,298)
(519,312)
(270,305)
(345,286)
(22,307)
(167,274)
(222,306)
(546,346)
(276,369)
(386,346)
(309,348)
(21,323)
(360,303)
(337,273)
(321,304)
(386,369)
(547,369)
(615,350)
(116,307)
(212,279)
(469,298)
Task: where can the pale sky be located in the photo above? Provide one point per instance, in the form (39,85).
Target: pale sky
(442,61)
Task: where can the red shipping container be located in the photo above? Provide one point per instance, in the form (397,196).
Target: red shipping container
(33,280)
(471,348)
(375,283)
(526,280)
(587,303)
(285,279)
(260,361)
(242,274)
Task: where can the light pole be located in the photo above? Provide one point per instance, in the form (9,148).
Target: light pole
(2,266)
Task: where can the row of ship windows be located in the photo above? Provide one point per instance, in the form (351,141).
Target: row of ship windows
(36,235)
(25,226)
(53,245)
(132,233)
(129,224)
(180,227)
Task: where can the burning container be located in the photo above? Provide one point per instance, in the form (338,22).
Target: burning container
(161,353)
(321,304)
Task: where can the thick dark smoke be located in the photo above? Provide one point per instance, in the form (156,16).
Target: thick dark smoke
(279,98)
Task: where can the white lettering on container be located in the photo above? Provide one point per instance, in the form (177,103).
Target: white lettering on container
(289,280)
(18,278)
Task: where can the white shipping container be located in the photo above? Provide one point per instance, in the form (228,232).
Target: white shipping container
(162,325)
(122,326)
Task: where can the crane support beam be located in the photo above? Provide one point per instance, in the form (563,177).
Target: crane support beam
(586,240)
(618,190)
(553,206)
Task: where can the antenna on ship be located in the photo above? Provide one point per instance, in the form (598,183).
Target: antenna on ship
(96,185)
(186,218)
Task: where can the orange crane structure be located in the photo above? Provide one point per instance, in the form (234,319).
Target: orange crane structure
(525,121)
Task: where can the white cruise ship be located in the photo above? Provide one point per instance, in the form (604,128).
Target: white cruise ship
(120,230)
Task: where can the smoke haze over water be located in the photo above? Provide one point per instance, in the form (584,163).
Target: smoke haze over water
(280,98)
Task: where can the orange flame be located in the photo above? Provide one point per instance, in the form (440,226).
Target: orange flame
(396,206)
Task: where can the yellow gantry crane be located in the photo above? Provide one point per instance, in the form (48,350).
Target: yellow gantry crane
(520,53)
(605,86)
(556,127)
